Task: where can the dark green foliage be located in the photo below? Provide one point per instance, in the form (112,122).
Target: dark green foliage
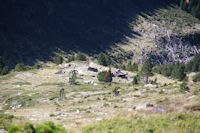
(2,63)
(105,76)
(5,120)
(147,69)
(73,77)
(47,127)
(192,7)
(70,58)
(58,60)
(197,77)
(4,69)
(15,129)
(165,70)
(104,60)
(20,67)
(81,57)
(29,128)
(135,80)
(194,64)
(178,71)
(132,67)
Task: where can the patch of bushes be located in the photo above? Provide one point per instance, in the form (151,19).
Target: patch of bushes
(81,57)
(70,58)
(21,67)
(37,66)
(105,76)
(191,6)
(47,127)
(176,123)
(58,60)
(104,60)
(5,120)
(176,71)
(4,69)
(135,80)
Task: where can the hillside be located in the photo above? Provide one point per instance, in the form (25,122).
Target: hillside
(100,66)
(34,96)
(35,30)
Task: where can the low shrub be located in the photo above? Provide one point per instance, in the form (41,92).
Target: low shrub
(104,60)
(37,66)
(5,120)
(4,69)
(81,57)
(58,60)
(105,76)
(21,67)
(47,127)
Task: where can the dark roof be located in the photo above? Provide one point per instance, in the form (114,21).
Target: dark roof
(92,69)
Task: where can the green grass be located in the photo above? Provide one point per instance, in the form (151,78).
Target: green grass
(166,100)
(171,123)
(53,84)
(5,120)
(21,83)
(8,76)
(24,101)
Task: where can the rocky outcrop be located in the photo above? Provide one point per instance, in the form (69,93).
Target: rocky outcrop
(175,49)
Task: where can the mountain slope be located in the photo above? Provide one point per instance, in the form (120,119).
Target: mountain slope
(32,30)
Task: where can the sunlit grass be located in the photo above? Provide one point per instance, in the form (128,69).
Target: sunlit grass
(171,123)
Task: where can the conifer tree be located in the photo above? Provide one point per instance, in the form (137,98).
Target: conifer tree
(147,69)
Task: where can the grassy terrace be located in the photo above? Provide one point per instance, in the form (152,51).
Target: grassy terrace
(170,123)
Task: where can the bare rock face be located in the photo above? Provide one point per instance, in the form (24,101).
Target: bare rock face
(175,49)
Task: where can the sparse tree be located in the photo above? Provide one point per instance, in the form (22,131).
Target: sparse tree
(62,94)
(104,60)
(135,80)
(147,69)
(116,91)
(81,57)
(179,71)
(72,79)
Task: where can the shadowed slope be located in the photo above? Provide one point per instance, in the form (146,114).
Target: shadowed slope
(33,30)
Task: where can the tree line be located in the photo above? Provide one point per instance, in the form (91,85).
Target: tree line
(179,70)
(191,6)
